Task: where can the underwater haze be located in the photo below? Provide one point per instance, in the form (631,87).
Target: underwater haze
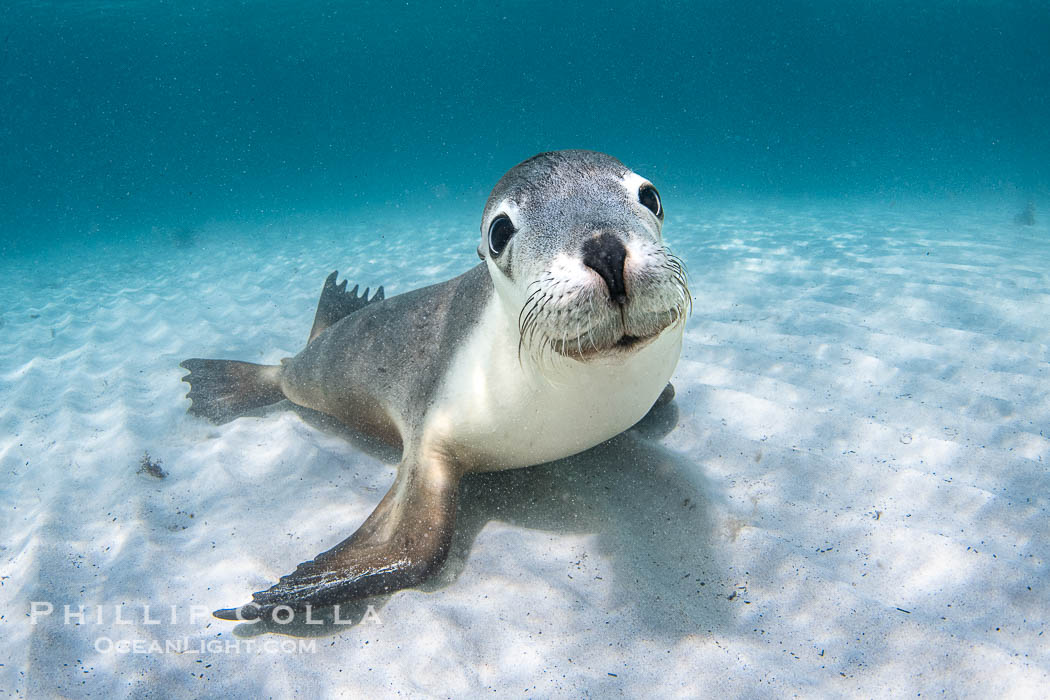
(848,497)
(124,114)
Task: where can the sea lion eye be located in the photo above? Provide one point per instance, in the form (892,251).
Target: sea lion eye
(500,231)
(650,199)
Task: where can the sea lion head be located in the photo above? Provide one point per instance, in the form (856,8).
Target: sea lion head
(573,241)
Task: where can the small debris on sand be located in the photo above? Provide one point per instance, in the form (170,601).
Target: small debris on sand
(150,466)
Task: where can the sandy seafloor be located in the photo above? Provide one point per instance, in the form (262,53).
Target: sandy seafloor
(854,500)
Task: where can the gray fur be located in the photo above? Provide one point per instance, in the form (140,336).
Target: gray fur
(378,364)
(391,355)
(377,370)
(567,195)
(561,199)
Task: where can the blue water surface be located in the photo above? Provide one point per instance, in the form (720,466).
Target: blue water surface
(119,116)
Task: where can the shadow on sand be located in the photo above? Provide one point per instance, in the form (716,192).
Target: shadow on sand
(648,506)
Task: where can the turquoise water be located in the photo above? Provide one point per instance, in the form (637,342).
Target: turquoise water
(853,500)
(124,115)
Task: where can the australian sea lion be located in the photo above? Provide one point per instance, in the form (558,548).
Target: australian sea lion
(565,335)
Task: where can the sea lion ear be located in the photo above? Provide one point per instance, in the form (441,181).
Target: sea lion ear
(481,250)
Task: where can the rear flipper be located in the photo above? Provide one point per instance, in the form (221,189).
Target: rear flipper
(221,390)
(336,303)
(403,542)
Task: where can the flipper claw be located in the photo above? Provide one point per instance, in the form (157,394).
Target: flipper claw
(403,542)
(336,303)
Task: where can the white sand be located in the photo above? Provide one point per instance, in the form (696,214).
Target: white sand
(854,500)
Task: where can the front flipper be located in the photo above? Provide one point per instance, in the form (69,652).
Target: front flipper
(661,418)
(666,396)
(403,542)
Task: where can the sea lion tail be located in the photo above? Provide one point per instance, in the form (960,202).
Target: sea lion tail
(336,303)
(222,390)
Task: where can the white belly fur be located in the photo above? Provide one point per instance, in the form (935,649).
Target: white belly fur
(499,413)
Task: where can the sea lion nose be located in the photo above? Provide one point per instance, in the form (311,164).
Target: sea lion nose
(605,254)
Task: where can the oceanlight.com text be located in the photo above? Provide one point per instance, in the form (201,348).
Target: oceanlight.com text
(108,645)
